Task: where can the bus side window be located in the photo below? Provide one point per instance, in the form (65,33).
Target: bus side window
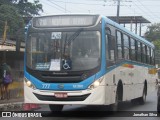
(133,48)
(126,46)
(139,51)
(110,48)
(148,55)
(152,56)
(143,53)
(152,60)
(119,45)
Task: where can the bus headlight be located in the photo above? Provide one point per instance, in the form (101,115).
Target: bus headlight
(29,83)
(96,83)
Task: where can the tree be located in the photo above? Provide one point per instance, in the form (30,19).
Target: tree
(153,34)
(14,20)
(24,7)
(13,12)
(29,9)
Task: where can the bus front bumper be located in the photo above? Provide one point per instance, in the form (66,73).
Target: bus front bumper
(95,96)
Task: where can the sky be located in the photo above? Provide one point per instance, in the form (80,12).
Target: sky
(149,9)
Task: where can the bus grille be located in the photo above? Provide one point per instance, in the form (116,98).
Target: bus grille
(53,98)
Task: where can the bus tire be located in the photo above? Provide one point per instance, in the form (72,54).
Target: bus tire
(56,108)
(118,97)
(142,99)
(158,109)
(158,104)
(114,107)
(134,101)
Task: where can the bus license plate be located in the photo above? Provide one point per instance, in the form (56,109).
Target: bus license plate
(61,95)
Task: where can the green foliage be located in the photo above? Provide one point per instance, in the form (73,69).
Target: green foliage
(157,44)
(2,2)
(14,20)
(153,32)
(28,9)
(13,12)
(25,8)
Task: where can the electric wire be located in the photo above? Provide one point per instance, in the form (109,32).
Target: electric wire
(59,6)
(148,10)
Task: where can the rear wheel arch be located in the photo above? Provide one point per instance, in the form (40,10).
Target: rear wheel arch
(118,96)
(145,87)
(120,90)
(142,99)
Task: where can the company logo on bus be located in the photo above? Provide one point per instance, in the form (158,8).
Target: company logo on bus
(84,76)
(61,86)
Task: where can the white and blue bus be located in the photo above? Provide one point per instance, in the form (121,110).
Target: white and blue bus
(86,59)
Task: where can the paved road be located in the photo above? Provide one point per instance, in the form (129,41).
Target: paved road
(98,113)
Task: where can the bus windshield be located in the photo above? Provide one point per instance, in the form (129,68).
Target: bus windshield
(59,51)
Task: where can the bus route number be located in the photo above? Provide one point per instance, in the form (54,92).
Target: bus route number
(45,86)
(56,35)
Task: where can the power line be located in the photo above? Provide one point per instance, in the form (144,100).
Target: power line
(150,0)
(66,2)
(148,9)
(150,16)
(58,6)
(96,4)
(148,5)
(135,11)
(80,3)
(52,6)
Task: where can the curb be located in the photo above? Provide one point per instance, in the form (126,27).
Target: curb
(16,106)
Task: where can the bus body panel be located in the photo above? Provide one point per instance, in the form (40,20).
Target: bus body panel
(105,94)
(132,74)
(132,84)
(96,97)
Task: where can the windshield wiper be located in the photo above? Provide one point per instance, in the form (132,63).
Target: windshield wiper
(72,38)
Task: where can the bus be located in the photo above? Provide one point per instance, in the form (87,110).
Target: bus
(86,59)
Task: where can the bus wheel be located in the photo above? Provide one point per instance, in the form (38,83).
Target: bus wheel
(56,108)
(134,101)
(158,105)
(158,109)
(114,107)
(142,99)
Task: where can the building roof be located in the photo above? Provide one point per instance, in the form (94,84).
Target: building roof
(129,19)
(11,42)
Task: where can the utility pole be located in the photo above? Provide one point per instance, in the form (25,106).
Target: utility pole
(118,10)
(5,32)
(65,6)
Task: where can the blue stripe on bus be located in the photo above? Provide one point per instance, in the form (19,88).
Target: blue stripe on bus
(64,86)
(82,85)
(129,62)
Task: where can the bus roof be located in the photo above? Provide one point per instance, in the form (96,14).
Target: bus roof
(46,21)
(109,21)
